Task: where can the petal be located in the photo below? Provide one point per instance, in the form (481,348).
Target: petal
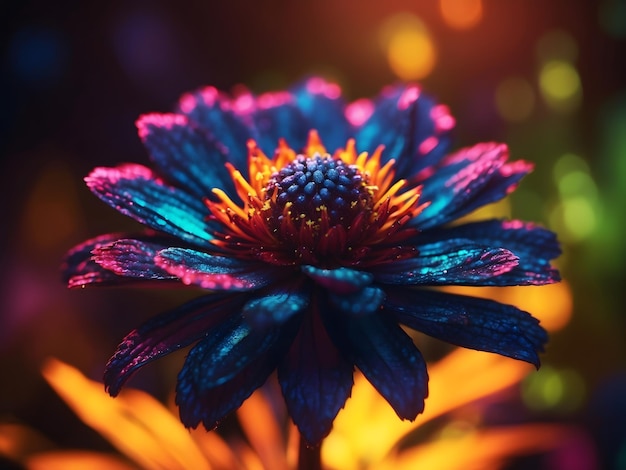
(364,302)
(411,126)
(387,357)
(222,370)
(199,404)
(129,423)
(276,116)
(470,322)
(215,272)
(228,348)
(276,307)
(448,262)
(469,179)
(212,111)
(533,245)
(315,379)
(189,157)
(131,258)
(323,108)
(80,269)
(340,280)
(166,333)
(134,190)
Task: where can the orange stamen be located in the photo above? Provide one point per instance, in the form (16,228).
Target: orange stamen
(314,144)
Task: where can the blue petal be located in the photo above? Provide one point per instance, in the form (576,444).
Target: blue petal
(533,245)
(387,357)
(315,379)
(470,322)
(213,112)
(277,117)
(276,307)
(189,157)
(405,122)
(470,179)
(340,280)
(322,106)
(364,302)
(167,333)
(80,269)
(448,262)
(216,272)
(131,258)
(222,370)
(135,191)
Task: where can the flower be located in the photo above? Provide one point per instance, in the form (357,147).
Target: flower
(310,258)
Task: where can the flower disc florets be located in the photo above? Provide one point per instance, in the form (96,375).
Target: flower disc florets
(315,208)
(310,186)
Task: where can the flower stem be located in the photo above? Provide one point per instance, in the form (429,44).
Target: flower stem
(309,458)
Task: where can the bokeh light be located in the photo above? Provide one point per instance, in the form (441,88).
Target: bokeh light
(461,14)
(560,85)
(409,47)
(515,99)
(575,219)
(561,390)
(568,163)
(576,215)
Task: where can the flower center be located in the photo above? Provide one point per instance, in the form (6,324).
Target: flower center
(315,208)
(308,187)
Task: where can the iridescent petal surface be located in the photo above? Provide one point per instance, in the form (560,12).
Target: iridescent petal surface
(315,378)
(470,322)
(136,191)
(454,261)
(190,157)
(387,357)
(166,333)
(215,272)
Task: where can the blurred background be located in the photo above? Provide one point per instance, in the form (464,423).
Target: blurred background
(543,77)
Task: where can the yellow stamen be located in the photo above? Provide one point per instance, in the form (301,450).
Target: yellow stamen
(284,154)
(314,144)
(372,165)
(227,202)
(347,155)
(391,192)
(406,195)
(243,188)
(385,176)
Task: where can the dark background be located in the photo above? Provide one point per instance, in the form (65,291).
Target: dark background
(74,76)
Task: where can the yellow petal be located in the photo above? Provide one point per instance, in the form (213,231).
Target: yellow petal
(259,424)
(220,455)
(77,460)
(368,428)
(18,441)
(479,450)
(135,423)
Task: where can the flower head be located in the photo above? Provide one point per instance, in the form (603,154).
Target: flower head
(316,228)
